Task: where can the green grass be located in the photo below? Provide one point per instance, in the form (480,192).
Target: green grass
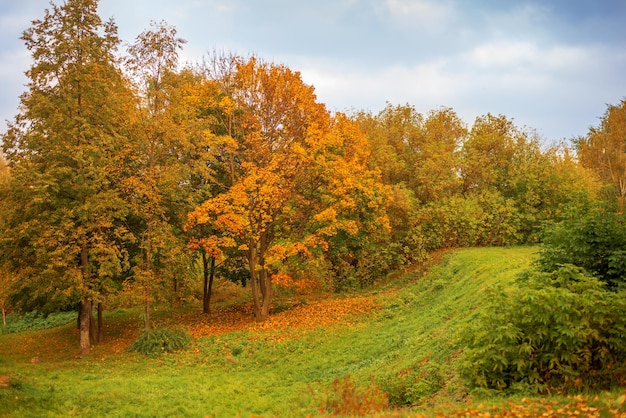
(409,347)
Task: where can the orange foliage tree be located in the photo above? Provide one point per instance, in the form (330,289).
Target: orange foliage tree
(300,178)
(603,150)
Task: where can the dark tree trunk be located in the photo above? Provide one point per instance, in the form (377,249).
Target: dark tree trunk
(148,277)
(84,307)
(261,291)
(209,275)
(100,323)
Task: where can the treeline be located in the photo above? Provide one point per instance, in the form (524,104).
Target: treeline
(125,170)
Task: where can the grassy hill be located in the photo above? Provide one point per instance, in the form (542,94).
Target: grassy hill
(392,351)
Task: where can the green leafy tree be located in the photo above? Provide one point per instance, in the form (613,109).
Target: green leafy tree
(488,153)
(546,184)
(62,236)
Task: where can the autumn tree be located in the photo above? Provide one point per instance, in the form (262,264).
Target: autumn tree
(416,150)
(343,206)
(222,126)
(278,108)
(154,171)
(4,275)
(269,212)
(419,157)
(63,237)
(603,150)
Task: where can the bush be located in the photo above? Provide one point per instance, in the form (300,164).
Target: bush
(474,220)
(594,241)
(560,330)
(154,342)
(36,320)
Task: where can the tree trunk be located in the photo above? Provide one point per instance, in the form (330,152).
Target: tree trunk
(4,315)
(260,280)
(254,281)
(209,275)
(84,306)
(147,277)
(100,323)
(266,291)
(84,321)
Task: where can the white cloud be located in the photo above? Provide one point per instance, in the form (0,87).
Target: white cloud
(517,55)
(423,11)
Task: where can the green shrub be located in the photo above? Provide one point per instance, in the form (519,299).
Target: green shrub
(594,240)
(154,342)
(560,330)
(35,320)
(483,219)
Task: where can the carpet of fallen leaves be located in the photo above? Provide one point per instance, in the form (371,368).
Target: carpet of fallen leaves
(61,343)
(300,317)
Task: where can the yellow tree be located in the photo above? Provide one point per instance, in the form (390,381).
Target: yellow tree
(417,151)
(288,147)
(603,150)
(488,153)
(152,160)
(4,275)
(278,110)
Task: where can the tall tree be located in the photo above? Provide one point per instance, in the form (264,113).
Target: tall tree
(152,159)
(289,161)
(4,275)
(603,150)
(223,146)
(62,235)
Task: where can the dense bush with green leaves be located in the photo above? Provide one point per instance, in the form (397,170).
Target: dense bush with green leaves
(35,320)
(481,219)
(595,241)
(560,329)
(154,342)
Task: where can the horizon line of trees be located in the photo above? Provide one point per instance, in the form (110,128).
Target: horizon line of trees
(124,171)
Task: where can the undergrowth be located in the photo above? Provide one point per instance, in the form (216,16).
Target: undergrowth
(154,342)
(35,321)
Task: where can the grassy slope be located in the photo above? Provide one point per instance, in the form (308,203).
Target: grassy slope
(407,345)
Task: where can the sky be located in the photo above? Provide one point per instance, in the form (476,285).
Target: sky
(551,66)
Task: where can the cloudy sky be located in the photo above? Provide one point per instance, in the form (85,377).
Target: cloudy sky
(551,65)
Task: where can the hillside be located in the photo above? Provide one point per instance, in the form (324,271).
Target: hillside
(320,357)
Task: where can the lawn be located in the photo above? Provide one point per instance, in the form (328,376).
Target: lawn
(396,343)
